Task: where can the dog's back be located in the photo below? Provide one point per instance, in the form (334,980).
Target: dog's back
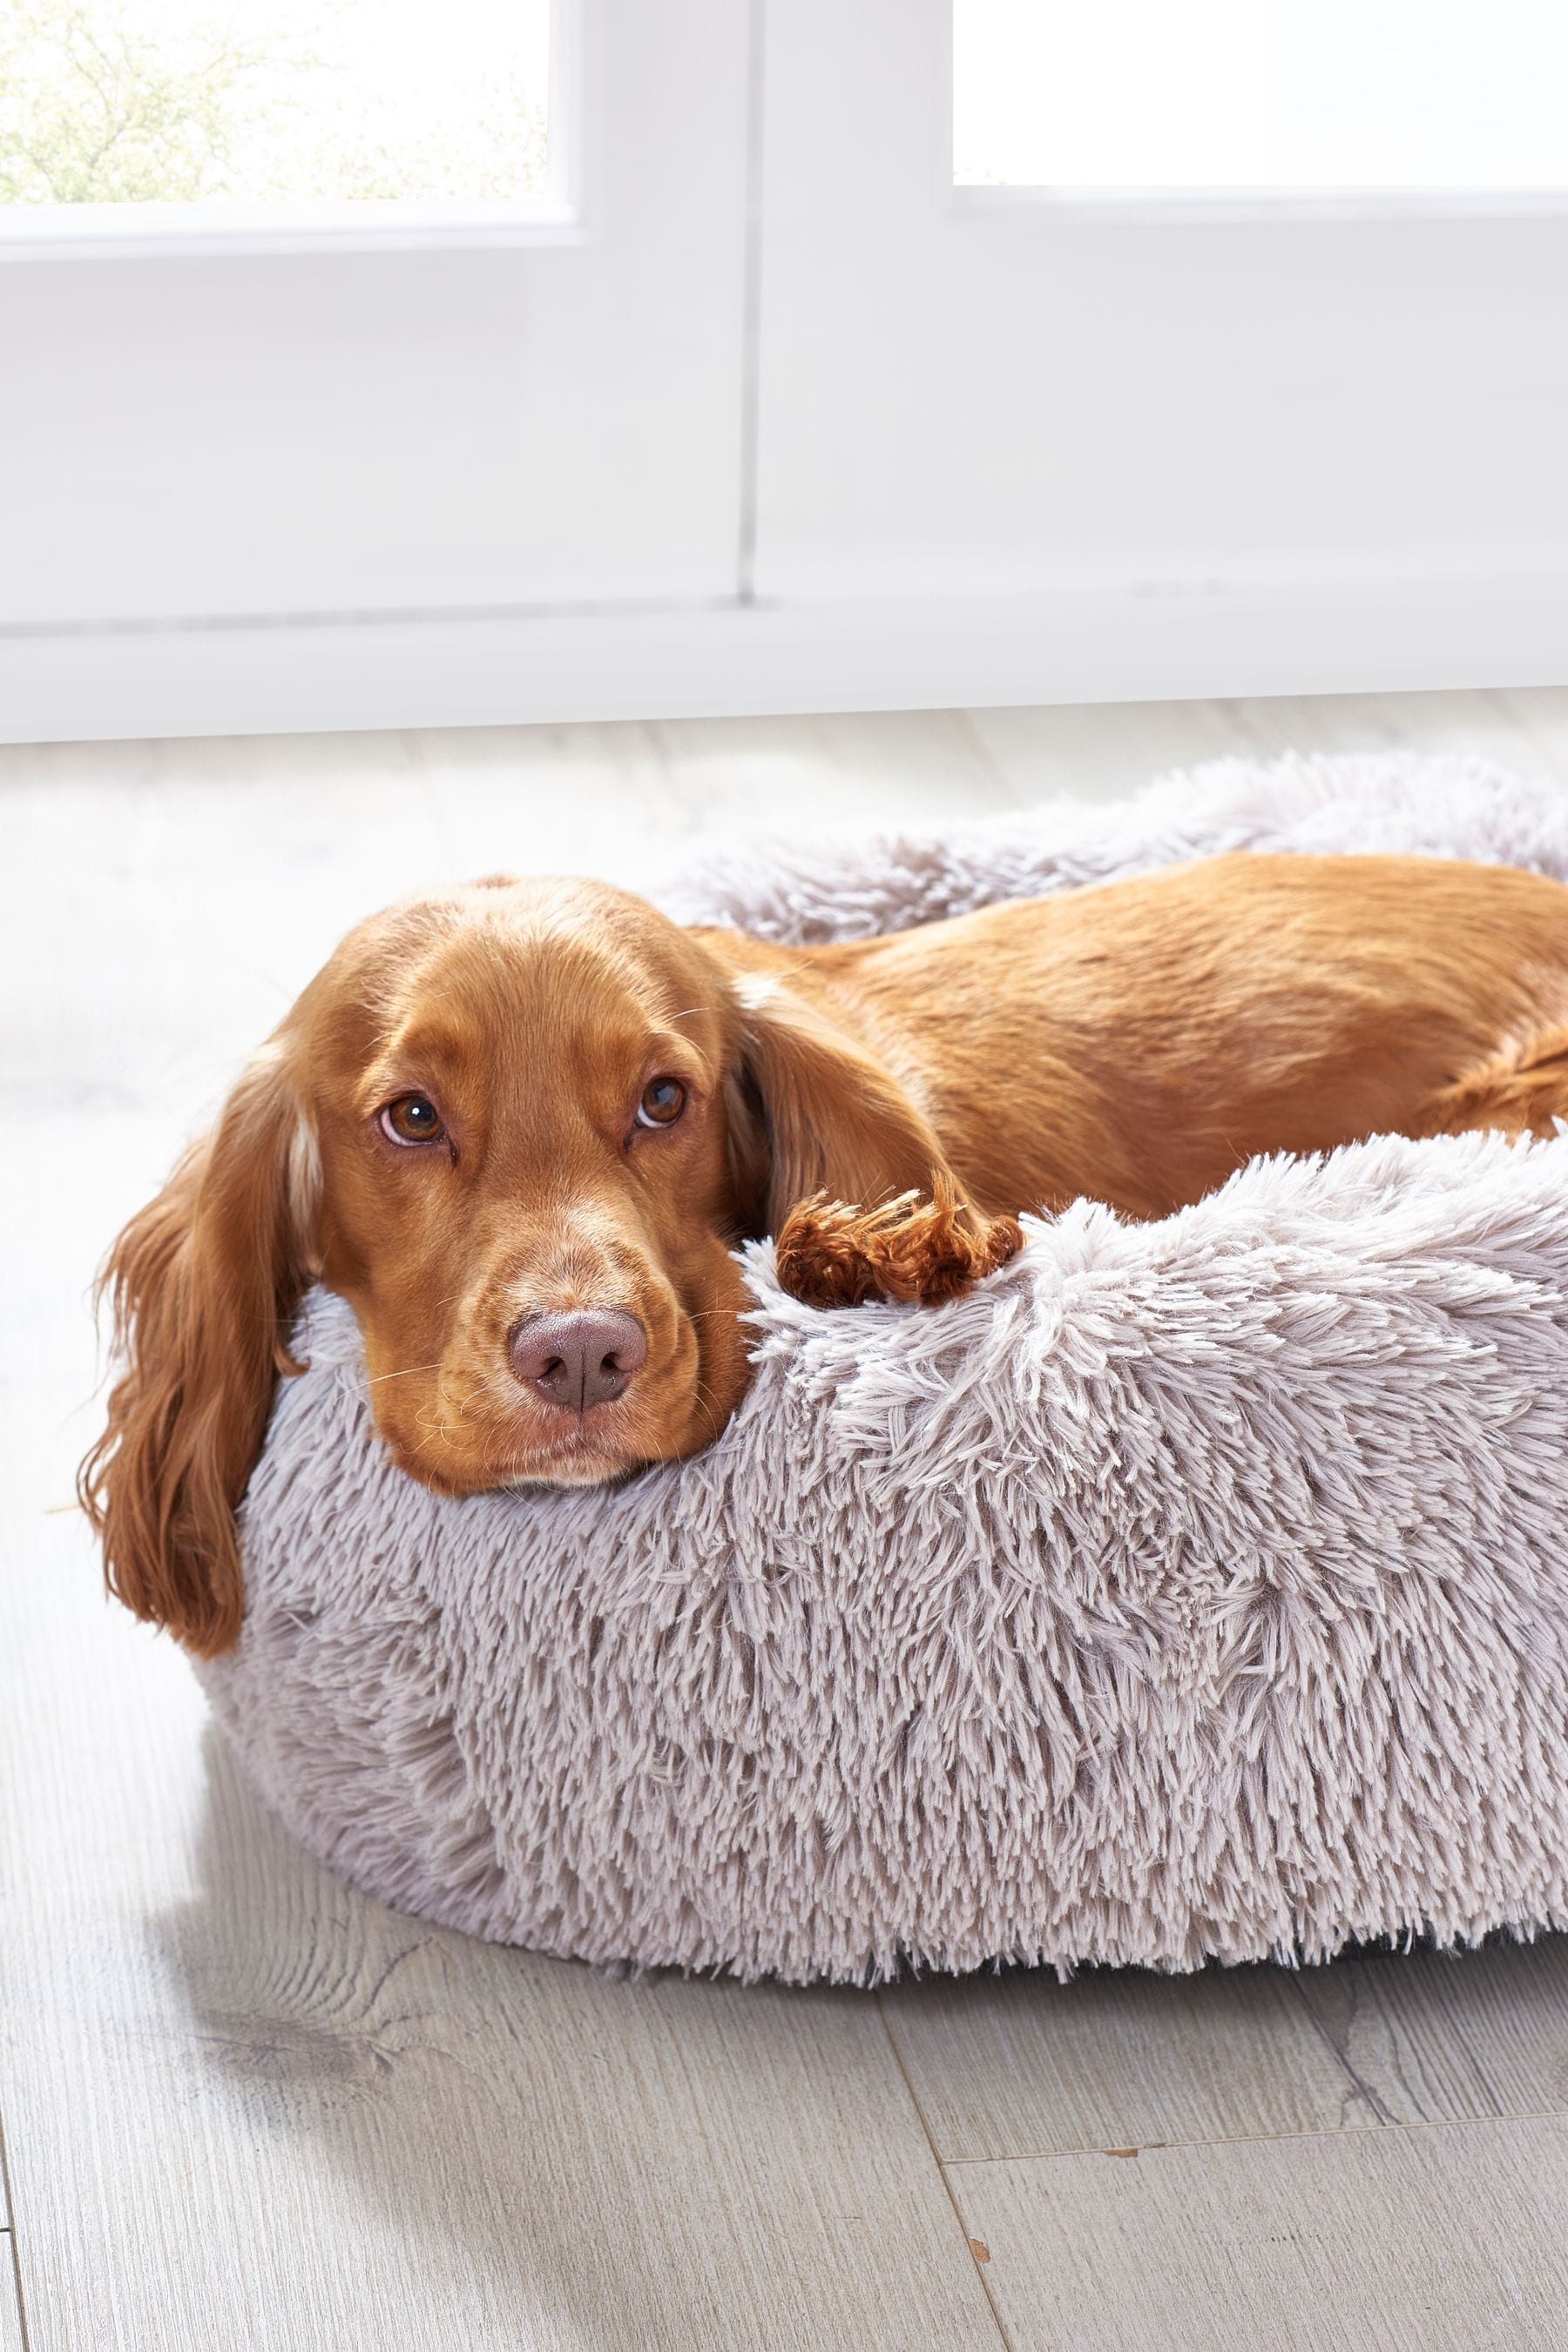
(1138,1041)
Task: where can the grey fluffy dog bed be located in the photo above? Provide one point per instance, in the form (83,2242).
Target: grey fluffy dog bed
(1195,1589)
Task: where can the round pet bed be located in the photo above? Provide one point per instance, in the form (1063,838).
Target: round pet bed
(1189,1589)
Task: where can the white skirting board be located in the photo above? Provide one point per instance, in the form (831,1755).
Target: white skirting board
(1158,640)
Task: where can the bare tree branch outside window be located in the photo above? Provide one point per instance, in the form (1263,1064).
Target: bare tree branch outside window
(138,101)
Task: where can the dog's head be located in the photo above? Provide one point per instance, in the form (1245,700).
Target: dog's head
(505,1112)
(521,1127)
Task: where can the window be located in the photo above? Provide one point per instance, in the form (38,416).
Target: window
(191,111)
(1280,96)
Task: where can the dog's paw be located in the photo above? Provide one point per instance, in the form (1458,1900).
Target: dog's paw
(831,1255)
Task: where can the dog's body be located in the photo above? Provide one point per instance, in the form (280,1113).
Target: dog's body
(1138,1041)
(521,1127)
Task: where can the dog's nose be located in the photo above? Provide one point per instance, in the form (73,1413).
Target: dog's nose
(578,1360)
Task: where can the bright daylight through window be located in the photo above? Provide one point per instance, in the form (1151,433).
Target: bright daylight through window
(275,103)
(1280,96)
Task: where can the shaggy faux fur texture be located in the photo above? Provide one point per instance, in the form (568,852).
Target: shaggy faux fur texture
(1189,1590)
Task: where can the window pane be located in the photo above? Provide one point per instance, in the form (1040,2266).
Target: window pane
(260,101)
(1265,94)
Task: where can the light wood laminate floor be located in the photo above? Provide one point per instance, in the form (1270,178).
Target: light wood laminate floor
(245,2107)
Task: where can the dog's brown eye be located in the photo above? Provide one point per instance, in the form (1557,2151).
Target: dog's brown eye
(663,1100)
(412,1119)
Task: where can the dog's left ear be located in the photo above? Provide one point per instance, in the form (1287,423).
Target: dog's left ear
(833,1158)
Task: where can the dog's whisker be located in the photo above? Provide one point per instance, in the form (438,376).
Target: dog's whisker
(706,1398)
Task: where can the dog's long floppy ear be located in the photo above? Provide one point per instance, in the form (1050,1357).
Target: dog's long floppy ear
(835,1160)
(204,1285)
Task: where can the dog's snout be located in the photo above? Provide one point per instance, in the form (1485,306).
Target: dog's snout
(578,1360)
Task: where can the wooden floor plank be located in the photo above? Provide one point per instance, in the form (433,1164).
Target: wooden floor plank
(1541,714)
(1019,2065)
(871,768)
(180,902)
(1472,722)
(1487,723)
(1274,724)
(1099,750)
(1449,2237)
(534,799)
(1444,2036)
(267,2111)
(11,2338)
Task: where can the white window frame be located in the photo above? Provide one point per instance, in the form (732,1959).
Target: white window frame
(803,448)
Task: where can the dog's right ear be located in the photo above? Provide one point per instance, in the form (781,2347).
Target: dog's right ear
(832,1157)
(203,1284)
